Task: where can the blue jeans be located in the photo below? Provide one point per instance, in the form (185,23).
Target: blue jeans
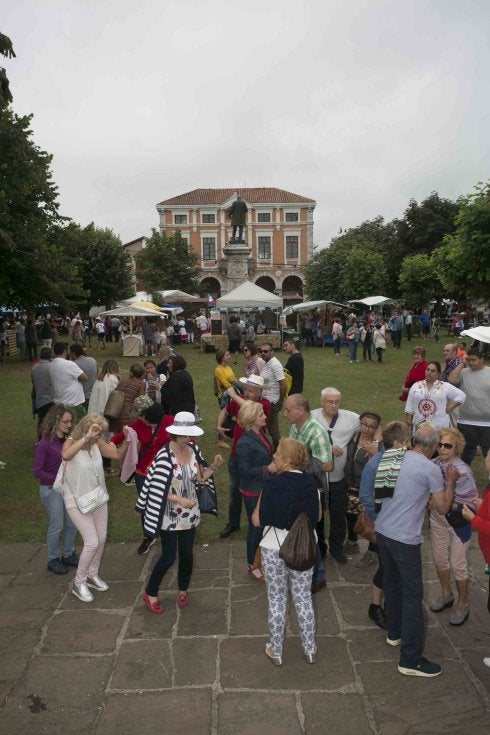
(353,350)
(403,588)
(253,534)
(171,540)
(60,524)
(319,568)
(336,345)
(235,500)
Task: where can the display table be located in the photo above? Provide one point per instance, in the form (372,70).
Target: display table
(216,342)
(132,345)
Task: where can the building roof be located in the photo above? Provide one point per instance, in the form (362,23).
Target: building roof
(265,195)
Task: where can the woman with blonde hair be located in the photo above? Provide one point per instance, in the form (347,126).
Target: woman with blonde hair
(254,459)
(83,471)
(291,492)
(107,381)
(450,534)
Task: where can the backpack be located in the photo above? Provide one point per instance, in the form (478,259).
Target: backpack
(298,550)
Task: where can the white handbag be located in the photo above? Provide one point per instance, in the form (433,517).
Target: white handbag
(92,500)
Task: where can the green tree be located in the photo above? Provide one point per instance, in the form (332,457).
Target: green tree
(463,262)
(103,265)
(322,274)
(419,281)
(7,50)
(167,263)
(28,211)
(362,273)
(424,226)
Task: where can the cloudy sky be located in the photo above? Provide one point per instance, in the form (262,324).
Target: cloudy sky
(359,104)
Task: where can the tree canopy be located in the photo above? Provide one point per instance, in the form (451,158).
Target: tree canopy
(167,263)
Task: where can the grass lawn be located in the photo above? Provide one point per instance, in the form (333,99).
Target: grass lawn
(22,518)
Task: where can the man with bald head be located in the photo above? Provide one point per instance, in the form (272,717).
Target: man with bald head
(452,360)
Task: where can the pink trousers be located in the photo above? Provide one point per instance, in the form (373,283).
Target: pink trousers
(92,527)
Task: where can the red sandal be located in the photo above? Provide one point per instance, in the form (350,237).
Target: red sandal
(183,599)
(154,607)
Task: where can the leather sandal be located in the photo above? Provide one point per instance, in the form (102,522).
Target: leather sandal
(183,599)
(154,607)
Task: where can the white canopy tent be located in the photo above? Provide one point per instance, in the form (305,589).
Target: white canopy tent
(249,294)
(482,334)
(310,305)
(176,295)
(373,301)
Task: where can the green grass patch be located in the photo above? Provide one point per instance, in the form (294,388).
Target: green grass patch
(364,386)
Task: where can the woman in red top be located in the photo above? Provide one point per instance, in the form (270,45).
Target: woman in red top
(416,372)
(151,429)
(481,523)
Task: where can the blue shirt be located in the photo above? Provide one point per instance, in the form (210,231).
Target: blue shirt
(366,488)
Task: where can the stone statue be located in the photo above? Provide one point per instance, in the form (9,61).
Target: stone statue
(237,213)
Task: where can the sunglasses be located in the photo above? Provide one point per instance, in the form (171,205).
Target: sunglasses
(446,445)
(264,352)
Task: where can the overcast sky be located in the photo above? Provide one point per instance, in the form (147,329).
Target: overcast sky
(358,104)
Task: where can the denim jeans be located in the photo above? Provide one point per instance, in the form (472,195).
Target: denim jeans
(336,345)
(60,524)
(337,501)
(253,534)
(353,344)
(319,568)
(235,500)
(403,589)
(171,540)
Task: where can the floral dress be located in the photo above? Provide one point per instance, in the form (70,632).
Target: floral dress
(176,517)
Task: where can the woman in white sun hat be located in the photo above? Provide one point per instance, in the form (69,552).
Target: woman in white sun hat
(169,505)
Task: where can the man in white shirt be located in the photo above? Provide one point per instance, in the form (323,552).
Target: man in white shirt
(274,389)
(341,425)
(473,377)
(67,379)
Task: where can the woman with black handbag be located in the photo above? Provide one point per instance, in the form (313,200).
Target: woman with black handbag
(168,503)
(284,497)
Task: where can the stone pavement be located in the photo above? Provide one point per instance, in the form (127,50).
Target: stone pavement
(112,667)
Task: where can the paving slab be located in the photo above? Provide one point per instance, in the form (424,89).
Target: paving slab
(176,712)
(112,666)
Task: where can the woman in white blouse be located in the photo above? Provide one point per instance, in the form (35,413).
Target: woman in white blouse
(431,400)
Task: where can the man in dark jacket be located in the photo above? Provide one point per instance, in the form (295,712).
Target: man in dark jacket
(237,213)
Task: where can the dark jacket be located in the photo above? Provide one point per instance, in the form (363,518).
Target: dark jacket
(237,212)
(285,496)
(178,393)
(252,457)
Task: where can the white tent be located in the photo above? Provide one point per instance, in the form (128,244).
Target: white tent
(176,295)
(249,294)
(372,301)
(482,334)
(309,305)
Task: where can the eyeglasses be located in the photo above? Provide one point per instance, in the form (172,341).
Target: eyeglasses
(265,352)
(334,403)
(368,426)
(446,445)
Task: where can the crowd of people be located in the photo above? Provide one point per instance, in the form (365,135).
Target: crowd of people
(335,464)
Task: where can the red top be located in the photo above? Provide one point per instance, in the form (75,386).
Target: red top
(233,408)
(481,523)
(416,373)
(144,432)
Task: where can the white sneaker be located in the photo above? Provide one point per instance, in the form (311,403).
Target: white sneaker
(82,592)
(486,661)
(97,583)
(394,641)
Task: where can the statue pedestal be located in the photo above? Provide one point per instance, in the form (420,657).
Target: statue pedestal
(235,261)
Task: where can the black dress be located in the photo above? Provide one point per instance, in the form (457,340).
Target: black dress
(178,393)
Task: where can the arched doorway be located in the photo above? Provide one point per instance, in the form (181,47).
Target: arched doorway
(210,286)
(267,283)
(292,287)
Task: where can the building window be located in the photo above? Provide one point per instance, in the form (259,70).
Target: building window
(209,248)
(264,247)
(292,216)
(208,219)
(292,247)
(180,219)
(263,216)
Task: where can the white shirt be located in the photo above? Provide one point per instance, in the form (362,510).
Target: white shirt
(429,404)
(272,373)
(346,426)
(64,377)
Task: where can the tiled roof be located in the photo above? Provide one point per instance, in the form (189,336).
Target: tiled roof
(137,239)
(199,197)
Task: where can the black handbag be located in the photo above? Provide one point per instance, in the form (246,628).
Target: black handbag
(207,498)
(298,550)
